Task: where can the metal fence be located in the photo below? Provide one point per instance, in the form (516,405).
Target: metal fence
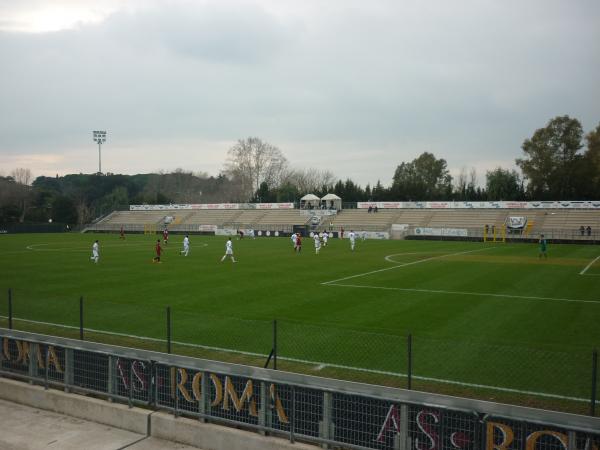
(311,409)
(513,373)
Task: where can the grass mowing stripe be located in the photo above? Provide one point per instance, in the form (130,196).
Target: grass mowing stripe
(589,265)
(320,365)
(479,294)
(406,264)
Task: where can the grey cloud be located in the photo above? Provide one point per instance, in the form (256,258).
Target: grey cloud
(467,80)
(220,33)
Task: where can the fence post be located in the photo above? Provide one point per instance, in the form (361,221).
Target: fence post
(293,416)
(409,354)
(274,344)
(9,308)
(81,318)
(130,393)
(47,368)
(168,329)
(594,378)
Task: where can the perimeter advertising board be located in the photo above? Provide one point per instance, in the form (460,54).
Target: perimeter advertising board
(340,416)
(481,205)
(211,206)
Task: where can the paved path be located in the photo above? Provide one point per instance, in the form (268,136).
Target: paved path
(25,428)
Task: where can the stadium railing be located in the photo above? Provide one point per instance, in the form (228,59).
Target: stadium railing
(300,407)
(555,378)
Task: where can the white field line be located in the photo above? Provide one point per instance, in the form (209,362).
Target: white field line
(34,248)
(320,365)
(589,265)
(419,261)
(477,294)
(389,258)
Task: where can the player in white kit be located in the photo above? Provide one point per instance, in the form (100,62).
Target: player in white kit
(317,243)
(325,238)
(186,246)
(352,238)
(294,238)
(95,252)
(228,251)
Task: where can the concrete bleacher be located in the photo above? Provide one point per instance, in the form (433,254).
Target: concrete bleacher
(362,219)
(138,217)
(276,217)
(211,216)
(569,221)
(556,223)
(247,218)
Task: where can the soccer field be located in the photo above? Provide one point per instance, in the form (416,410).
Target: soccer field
(480,315)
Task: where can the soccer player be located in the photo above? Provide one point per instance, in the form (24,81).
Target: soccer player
(352,238)
(228,251)
(95,252)
(298,246)
(158,250)
(186,246)
(543,247)
(294,238)
(122,236)
(166,236)
(317,243)
(325,238)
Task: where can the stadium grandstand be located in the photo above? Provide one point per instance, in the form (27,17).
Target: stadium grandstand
(561,221)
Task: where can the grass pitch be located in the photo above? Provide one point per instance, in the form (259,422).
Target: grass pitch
(480,315)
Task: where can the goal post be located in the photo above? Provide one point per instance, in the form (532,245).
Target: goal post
(150,229)
(492,234)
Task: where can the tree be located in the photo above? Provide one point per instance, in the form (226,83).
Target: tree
(379,193)
(551,159)
(264,194)
(590,179)
(503,184)
(251,162)
(424,178)
(23,179)
(64,210)
(310,180)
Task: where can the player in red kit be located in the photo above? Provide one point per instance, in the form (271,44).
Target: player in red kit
(122,233)
(166,236)
(158,250)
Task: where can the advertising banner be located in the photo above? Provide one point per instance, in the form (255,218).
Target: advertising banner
(425,231)
(516,222)
(212,206)
(482,205)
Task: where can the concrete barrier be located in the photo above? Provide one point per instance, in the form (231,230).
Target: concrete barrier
(215,437)
(95,410)
(145,422)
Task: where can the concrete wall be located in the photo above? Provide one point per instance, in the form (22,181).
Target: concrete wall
(142,421)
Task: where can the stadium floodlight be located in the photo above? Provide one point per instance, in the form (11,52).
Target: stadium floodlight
(99,138)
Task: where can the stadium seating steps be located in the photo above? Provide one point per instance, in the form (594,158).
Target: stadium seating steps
(359,219)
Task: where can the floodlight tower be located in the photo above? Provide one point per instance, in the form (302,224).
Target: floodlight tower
(99,138)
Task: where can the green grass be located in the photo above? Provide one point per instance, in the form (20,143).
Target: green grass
(480,314)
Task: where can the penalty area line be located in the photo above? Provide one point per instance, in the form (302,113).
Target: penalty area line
(475,294)
(589,265)
(320,365)
(407,264)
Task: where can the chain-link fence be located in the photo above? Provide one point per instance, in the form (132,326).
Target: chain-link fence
(299,407)
(482,369)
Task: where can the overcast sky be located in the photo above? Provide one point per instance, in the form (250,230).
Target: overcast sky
(354,87)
